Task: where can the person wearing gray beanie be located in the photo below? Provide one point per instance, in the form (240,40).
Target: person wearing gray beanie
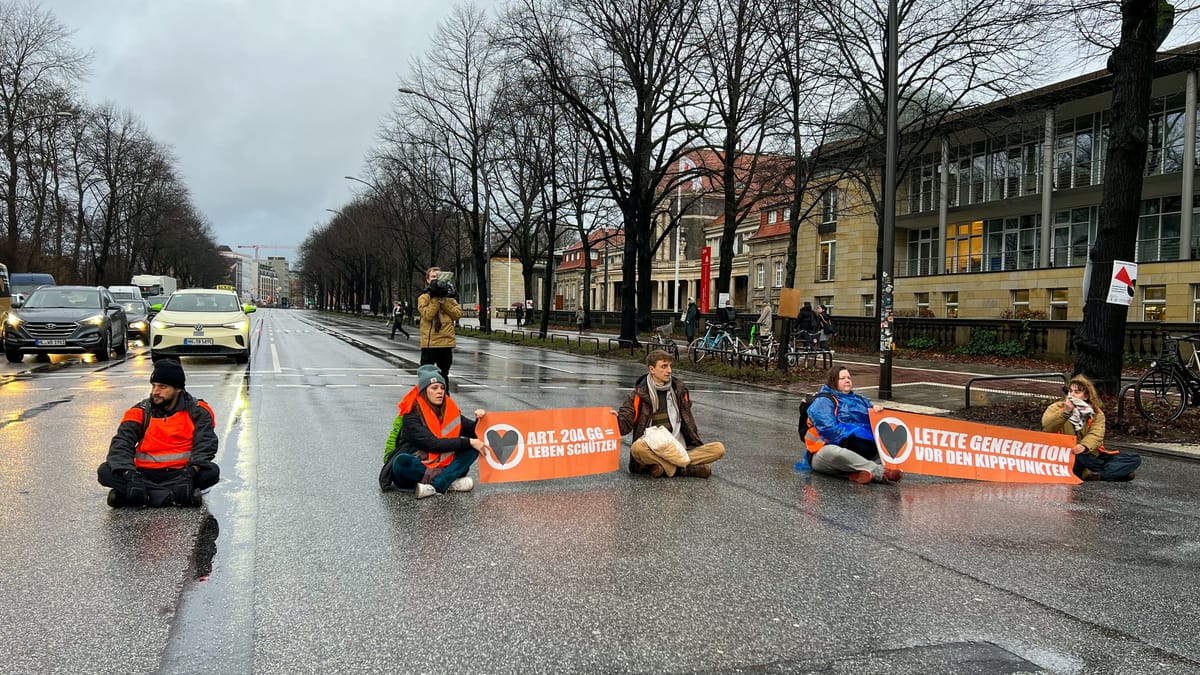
(147,464)
(432,445)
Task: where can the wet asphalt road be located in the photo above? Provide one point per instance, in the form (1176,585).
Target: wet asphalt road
(299,564)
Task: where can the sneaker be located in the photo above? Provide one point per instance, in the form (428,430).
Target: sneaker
(697,470)
(423,490)
(654,470)
(861,477)
(1127,477)
(464,484)
(892,475)
(115,500)
(1088,474)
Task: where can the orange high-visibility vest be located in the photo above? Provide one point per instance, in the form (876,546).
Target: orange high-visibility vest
(448,429)
(812,439)
(166,441)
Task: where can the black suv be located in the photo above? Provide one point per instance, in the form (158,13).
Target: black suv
(66,320)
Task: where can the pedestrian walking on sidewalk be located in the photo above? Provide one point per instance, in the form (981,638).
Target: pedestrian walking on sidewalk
(398,319)
(579,319)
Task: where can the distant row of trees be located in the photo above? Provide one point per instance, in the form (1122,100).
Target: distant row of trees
(88,194)
(532,126)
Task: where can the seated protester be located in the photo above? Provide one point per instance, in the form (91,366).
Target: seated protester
(839,437)
(432,446)
(1079,415)
(163,451)
(660,400)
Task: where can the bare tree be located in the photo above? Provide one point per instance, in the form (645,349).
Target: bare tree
(626,68)
(36,56)
(1144,24)
(449,101)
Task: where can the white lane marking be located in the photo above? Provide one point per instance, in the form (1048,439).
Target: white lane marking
(404,385)
(293,385)
(549,387)
(331,386)
(275,358)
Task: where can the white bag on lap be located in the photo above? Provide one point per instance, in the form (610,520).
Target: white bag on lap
(662,443)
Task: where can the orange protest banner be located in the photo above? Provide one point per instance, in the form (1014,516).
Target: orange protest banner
(936,446)
(542,444)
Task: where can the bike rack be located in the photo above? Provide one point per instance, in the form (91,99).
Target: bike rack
(1034,376)
(594,340)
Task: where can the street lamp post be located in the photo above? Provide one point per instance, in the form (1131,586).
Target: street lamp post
(884,285)
(366,295)
(402,286)
(61,114)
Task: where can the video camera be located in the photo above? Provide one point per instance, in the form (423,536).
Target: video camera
(443,286)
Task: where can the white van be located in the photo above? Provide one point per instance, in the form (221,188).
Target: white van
(125,292)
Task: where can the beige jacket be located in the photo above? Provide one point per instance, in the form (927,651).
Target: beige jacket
(1056,421)
(430,308)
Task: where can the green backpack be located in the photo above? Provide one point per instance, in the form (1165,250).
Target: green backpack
(389,453)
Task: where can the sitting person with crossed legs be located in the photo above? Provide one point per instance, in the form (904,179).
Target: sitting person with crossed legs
(839,437)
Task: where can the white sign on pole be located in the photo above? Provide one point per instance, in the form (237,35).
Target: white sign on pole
(722,300)
(1124,280)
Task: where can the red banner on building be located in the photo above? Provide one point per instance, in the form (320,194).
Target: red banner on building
(705,277)
(542,444)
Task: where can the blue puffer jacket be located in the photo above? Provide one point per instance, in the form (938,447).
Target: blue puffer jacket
(852,417)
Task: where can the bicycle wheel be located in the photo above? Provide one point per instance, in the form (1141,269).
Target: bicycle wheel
(1160,395)
(699,350)
(671,348)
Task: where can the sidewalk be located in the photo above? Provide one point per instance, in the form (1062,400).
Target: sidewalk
(926,387)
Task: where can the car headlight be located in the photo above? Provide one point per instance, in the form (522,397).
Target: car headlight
(236,325)
(14,320)
(138,325)
(161,325)
(97,320)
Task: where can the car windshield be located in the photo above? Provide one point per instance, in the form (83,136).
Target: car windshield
(202,302)
(134,307)
(59,297)
(125,295)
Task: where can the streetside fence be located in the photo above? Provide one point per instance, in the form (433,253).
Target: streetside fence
(1041,338)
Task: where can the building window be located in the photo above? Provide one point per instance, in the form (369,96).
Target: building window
(1154,303)
(1020,303)
(760,275)
(787,215)
(923,185)
(778,274)
(829,206)
(826,300)
(964,247)
(868,303)
(1073,232)
(1075,149)
(1011,243)
(1196,303)
(922,252)
(1058,304)
(825,266)
(951,299)
(922,300)
(772,216)
(1158,230)
(1164,135)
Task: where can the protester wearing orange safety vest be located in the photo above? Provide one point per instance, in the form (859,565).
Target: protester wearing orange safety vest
(163,451)
(1079,415)
(435,445)
(660,400)
(839,434)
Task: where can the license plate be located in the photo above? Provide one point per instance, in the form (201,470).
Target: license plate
(51,343)
(197,341)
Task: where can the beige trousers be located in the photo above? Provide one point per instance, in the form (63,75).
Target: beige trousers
(701,454)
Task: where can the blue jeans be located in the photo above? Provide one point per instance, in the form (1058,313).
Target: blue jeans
(407,470)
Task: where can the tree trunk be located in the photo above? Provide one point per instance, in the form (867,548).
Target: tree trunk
(1100,342)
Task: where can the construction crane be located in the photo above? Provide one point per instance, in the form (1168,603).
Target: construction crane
(258,246)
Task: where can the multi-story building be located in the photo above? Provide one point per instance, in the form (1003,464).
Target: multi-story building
(995,219)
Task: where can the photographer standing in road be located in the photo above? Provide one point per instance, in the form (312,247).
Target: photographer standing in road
(438,307)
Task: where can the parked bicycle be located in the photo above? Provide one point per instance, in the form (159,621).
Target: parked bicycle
(1172,383)
(807,349)
(660,338)
(716,340)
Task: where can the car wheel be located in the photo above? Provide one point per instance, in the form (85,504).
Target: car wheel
(13,356)
(102,351)
(124,348)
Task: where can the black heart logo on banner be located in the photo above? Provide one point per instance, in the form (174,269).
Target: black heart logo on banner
(892,438)
(503,443)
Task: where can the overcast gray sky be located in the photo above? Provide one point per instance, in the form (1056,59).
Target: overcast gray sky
(266,103)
